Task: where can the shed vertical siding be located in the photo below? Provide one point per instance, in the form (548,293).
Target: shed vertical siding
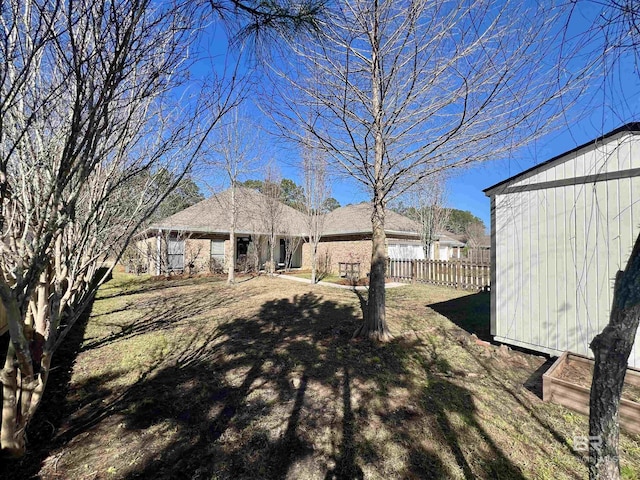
(558,244)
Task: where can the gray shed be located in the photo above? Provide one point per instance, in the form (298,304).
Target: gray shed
(559,233)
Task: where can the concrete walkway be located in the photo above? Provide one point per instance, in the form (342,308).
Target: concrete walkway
(335,285)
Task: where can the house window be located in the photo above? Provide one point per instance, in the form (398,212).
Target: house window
(217,252)
(175,254)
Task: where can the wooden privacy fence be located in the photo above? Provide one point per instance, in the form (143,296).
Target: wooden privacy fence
(457,274)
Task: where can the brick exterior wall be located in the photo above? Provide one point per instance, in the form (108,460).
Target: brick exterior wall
(147,249)
(346,249)
(196,255)
(341,250)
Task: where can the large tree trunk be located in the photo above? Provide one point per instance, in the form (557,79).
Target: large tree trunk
(375,325)
(612,348)
(17,378)
(11,445)
(26,366)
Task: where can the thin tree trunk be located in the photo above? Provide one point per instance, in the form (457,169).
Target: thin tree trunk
(231,275)
(272,253)
(612,348)
(314,262)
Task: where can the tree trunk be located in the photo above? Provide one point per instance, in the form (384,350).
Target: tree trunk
(314,262)
(612,348)
(272,252)
(231,274)
(11,445)
(375,325)
(16,376)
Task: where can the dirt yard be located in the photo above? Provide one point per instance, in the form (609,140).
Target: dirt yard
(191,378)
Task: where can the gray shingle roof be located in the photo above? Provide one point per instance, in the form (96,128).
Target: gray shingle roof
(214,215)
(357,219)
(448,238)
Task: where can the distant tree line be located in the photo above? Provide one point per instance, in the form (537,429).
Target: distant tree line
(458,222)
(185,193)
(291,194)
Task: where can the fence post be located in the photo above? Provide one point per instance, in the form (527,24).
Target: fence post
(413,271)
(456,275)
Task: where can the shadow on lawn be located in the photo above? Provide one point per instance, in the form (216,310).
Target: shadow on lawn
(137,285)
(470,312)
(159,314)
(293,361)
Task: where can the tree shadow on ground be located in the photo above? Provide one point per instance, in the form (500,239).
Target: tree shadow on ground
(161,314)
(137,285)
(534,382)
(283,394)
(470,312)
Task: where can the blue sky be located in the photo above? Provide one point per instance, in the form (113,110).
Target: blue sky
(614,100)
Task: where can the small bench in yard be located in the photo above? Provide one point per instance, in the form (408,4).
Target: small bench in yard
(349,270)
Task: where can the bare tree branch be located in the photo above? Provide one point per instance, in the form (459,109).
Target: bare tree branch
(396,92)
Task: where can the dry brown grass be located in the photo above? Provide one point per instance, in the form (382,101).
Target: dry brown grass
(191,378)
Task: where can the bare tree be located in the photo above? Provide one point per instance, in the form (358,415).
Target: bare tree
(272,210)
(255,252)
(291,245)
(426,201)
(87,108)
(474,234)
(398,91)
(316,193)
(235,153)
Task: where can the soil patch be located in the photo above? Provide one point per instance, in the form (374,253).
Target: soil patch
(581,374)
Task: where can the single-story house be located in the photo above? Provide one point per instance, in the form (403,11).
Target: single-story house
(476,251)
(559,233)
(446,247)
(197,238)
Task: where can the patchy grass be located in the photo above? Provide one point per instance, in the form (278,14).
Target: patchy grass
(192,378)
(321,278)
(330,278)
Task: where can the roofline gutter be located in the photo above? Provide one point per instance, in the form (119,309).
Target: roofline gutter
(633,127)
(151,231)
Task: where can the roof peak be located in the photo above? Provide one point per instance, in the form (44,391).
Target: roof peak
(631,127)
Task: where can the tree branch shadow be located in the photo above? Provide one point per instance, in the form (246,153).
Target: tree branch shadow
(293,361)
